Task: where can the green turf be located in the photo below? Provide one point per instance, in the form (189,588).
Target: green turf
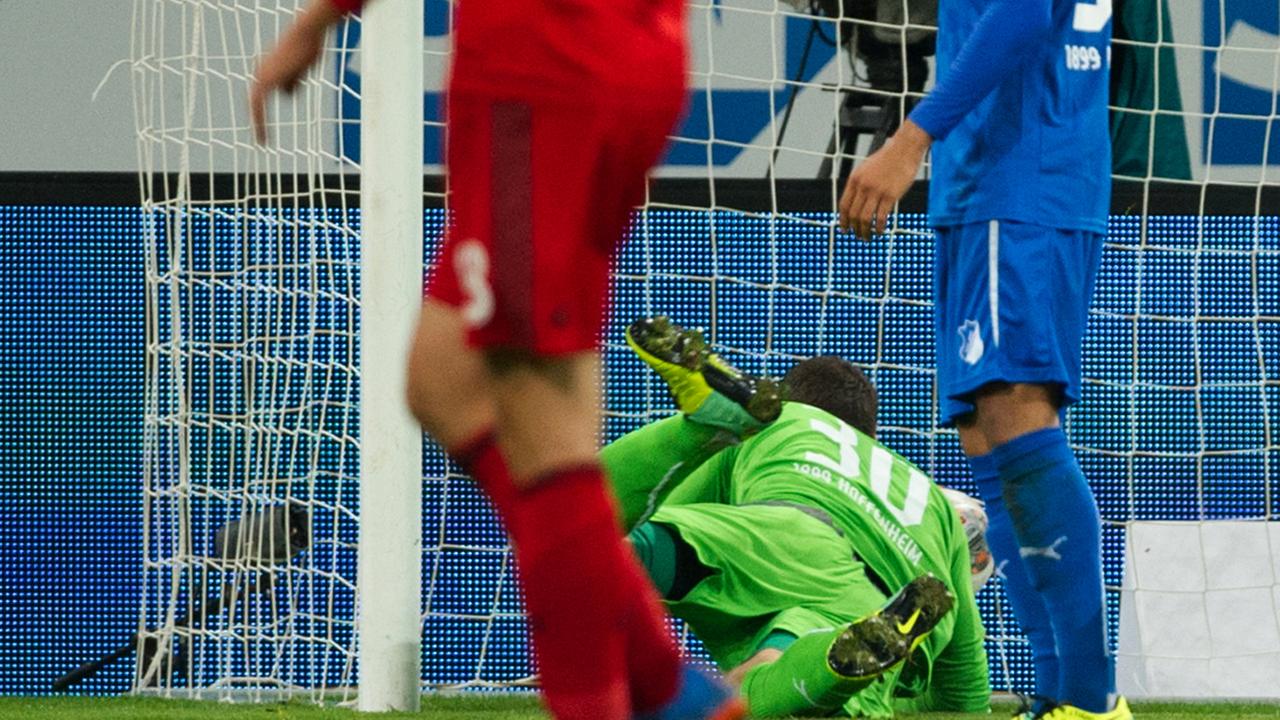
(440,708)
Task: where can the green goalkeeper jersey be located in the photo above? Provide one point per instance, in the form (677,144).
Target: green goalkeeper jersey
(897,521)
(900,523)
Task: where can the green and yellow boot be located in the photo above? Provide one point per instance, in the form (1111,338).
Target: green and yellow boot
(707,389)
(885,639)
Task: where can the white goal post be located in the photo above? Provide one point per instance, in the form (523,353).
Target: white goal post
(280,320)
(389,589)
(300,540)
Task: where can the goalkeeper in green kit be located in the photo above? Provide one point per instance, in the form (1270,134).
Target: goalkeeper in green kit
(823,572)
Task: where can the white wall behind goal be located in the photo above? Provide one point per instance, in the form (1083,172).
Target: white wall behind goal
(1200,611)
(54,54)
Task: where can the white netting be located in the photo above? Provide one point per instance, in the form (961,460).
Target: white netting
(250,428)
(250,354)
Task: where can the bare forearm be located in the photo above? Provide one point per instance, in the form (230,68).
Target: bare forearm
(296,51)
(320,15)
(914,139)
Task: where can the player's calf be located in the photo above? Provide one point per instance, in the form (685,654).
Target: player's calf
(821,671)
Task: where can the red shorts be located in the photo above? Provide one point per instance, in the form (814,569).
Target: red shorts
(541,193)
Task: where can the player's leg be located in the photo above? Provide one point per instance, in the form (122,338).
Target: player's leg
(598,631)
(961,298)
(449,392)
(1008,341)
(670,562)
(705,387)
(647,464)
(821,670)
(584,588)
(553,504)
(577,575)
(798,573)
(1053,511)
(1027,604)
(638,137)
(1055,520)
(550,416)
(721,405)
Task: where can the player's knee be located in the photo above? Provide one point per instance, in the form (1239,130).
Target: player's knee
(973,441)
(450,402)
(418,395)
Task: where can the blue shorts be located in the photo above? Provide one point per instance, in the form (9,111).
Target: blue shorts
(1011,302)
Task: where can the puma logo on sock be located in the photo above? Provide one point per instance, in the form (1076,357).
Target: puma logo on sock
(1050,552)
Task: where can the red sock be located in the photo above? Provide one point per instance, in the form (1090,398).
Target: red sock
(483,461)
(653,660)
(579,581)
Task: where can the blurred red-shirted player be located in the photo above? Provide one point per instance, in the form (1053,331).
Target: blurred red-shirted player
(557,109)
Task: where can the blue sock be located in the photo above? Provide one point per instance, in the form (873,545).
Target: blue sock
(1028,607)
(1059,534)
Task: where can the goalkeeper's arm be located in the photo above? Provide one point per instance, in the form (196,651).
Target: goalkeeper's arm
(960,679)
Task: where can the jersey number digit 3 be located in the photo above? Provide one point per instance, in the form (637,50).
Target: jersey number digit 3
(471,261)
(849,466)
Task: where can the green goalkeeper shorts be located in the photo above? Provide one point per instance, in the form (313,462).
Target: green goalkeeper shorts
(772,568)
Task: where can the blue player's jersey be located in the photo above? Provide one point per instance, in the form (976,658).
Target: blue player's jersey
(1036,149)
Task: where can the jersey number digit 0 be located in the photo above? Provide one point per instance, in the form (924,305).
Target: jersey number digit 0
(1091,16)
(882,461)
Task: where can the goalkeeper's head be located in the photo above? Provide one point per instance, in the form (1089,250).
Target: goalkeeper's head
(836,385)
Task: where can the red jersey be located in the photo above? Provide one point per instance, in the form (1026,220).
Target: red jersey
(556,109)
(563,48)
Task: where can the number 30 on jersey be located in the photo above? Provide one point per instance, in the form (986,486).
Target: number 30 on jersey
(848,465)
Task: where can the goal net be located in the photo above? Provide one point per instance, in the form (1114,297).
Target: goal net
(252,519)
(251,453)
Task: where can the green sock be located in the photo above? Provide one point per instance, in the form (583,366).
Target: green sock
(800,681)
(720,412)
(646,464)
(656,550)
(672,564)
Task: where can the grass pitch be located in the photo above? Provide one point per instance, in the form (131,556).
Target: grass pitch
(521,707)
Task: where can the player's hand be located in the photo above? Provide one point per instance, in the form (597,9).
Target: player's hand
(881,180)
(295,53)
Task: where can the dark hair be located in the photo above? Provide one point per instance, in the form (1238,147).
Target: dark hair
(836,385)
